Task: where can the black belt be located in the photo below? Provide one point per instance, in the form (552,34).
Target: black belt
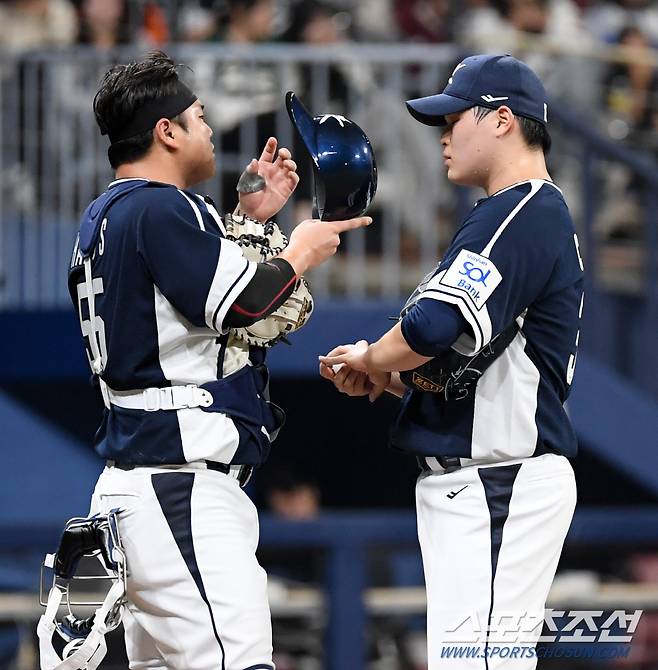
(243,476)
(452,463)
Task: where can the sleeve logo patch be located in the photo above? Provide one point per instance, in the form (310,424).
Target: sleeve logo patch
(474,275)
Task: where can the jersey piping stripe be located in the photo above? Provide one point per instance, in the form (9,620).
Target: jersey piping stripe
(526,181)
(483,326)
(214,213)
(197,211)
(462,300)
(121,181)
(535,186)
(471,317)
(223,300)
(232,273)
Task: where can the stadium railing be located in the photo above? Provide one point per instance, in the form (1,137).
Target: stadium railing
(53,160)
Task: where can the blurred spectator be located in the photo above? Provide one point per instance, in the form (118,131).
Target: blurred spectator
(374,20)
(103,23)
(36,24)
(239,90)
(233,21)
(106,24)
(197,21)
(318,23)
(512,25)
(631,90)
(241,97)
(247,21)
(630,98)
(424,20)
(606,19)
(293,497)
(155,30)
(479,25)
(550,37)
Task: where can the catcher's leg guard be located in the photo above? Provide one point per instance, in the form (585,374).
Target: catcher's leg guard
(84,638)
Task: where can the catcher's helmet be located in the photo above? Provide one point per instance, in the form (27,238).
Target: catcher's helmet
(344,169)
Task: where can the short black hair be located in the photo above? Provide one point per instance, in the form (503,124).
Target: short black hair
(126,88)
(534,133)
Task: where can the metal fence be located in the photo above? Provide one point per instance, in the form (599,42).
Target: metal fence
(53,160)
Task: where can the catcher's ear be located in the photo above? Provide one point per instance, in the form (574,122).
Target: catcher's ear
(165,133)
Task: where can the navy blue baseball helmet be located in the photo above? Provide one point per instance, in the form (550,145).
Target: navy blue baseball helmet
(344,168)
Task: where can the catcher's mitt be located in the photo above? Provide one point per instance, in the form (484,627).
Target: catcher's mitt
(260,242)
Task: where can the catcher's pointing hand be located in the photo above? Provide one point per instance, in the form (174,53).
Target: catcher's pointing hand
(313,241)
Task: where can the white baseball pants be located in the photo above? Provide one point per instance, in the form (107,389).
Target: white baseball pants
(491,538)
(197,595)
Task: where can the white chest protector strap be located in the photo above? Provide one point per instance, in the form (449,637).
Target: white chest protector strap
(154,399)
(85,653)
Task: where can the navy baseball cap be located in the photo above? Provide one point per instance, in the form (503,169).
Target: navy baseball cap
(487,81)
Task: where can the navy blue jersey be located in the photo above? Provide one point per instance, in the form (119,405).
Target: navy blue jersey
(514,259)
(164,278)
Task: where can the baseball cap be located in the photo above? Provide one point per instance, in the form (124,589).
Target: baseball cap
(487,81)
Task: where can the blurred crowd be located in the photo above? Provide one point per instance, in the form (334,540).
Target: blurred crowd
(598,56)
(627,85)
(34,24)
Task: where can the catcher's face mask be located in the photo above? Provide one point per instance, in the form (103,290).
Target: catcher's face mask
(344,168)
(82,640)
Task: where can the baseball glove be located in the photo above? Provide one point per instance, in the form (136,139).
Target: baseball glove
(259,243)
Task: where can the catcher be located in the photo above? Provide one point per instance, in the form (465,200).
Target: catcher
(176,308)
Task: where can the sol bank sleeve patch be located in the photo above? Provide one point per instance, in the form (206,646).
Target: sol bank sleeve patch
(471,276)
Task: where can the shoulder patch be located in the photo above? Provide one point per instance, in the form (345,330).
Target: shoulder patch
(473,275)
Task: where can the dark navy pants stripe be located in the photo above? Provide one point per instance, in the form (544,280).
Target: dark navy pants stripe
(174,493)
(498,483)
(260,667)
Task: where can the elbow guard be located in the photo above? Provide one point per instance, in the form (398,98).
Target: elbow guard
(270,287)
